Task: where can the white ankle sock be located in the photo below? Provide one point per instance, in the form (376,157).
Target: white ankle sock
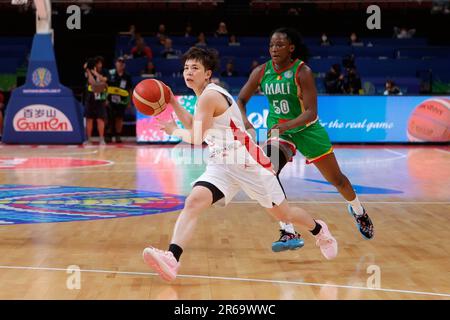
(288,227)
(356,206)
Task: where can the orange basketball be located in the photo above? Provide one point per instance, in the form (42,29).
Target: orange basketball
(151,96)
(430,121)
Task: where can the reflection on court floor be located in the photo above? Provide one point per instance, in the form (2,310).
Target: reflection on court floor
(405,189)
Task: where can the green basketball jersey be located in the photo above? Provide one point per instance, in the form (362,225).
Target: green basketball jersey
(283,91)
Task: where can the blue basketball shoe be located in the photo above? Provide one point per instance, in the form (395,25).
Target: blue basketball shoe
(288,241)
(363,222)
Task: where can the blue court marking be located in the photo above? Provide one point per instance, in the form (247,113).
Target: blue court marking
(21,204)
(358,188)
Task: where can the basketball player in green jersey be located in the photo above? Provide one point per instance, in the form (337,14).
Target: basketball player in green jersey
(288,83)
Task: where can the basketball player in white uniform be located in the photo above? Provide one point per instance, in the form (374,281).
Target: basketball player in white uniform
(235,163)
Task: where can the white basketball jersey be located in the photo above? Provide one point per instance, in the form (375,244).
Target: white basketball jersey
(227,138)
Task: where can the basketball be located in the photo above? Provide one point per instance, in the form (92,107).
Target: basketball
(430,121)
(151,96)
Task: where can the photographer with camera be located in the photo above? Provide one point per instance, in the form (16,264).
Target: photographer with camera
(334,80)
(95,99)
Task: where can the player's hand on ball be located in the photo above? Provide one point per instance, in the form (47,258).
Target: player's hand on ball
(167,126)
(173,101)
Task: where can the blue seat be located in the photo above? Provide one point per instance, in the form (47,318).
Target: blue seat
(9,65)
(375,51)
(219,41)
(329,51)
(16,41)
(401,67)
(168,67)
(184,41)
(323,65)
(408,85)
(254,41)
(124,44)
(394,42)
(135,66)
(424,52)
(242,51)
(387,67)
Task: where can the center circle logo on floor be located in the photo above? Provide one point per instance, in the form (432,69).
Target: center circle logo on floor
(23,204)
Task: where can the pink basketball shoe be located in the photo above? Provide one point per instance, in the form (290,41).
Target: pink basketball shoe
(328,245)
(162,262)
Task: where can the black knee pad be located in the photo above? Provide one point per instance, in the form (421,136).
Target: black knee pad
(216,193)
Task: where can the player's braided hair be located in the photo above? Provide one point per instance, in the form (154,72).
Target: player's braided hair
(294,37)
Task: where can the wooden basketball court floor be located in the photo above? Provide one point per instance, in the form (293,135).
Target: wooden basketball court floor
(406,190)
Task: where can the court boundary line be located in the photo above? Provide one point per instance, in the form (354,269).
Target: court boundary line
(300,283)
(342,202)
(442,150)
(395,152)
(108,163)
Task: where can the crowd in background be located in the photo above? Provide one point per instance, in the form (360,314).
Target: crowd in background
(107,109)
(341,79)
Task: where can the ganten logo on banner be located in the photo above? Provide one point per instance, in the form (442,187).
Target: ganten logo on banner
(44,204)
(41,77)
(41,118)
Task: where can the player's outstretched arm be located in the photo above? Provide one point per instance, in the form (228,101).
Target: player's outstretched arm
(201,122)
(247,92)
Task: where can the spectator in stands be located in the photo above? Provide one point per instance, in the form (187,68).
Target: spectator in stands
(294,11)
(403,33)
(349,61)
(254,64)
(392,89)
(161,31)
(222,30)
(232,42)
(354,40)
(149,70)
(119,84)
(201,40)
(188,30)
(131,31)
(95,99)
(2,108)
(141,49)
(324,41)
(229,70)
(352,81)
(162,40)
(440,6)
(334,80)
(169,52)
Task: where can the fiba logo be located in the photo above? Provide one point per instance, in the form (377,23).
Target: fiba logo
(41,77)
(288,74)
